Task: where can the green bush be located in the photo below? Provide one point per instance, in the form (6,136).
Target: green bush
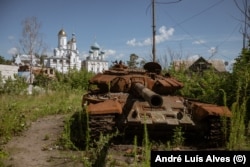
(14,86)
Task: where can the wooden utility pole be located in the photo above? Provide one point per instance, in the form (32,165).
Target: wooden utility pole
(154,31)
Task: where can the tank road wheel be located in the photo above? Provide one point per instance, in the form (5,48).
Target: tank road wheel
(215,134)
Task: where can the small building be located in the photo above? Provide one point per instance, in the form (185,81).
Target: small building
(8,71)
(24,71)
(199,65)
(66,55)
(24,59)
(95,62)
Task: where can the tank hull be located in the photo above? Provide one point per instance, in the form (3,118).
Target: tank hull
(130,114)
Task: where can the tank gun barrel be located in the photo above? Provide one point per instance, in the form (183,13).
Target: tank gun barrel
(151,97)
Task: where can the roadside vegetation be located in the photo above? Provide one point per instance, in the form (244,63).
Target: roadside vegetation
(229,89)
(62,95)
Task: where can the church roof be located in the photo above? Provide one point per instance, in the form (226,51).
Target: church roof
(95,46)
(73,39)
(62,33)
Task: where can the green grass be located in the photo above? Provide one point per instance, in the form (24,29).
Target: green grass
(18,110)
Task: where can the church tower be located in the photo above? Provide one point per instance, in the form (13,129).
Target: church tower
(73,42)
(62,39)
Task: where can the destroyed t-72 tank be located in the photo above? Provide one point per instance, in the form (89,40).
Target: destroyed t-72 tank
(128,99)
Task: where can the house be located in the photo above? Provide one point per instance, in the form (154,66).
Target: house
(199,65)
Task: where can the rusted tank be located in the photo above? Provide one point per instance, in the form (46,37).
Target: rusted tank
(128,99)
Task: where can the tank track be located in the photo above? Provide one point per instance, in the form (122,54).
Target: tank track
(101,124)
(93,127)
(215,135)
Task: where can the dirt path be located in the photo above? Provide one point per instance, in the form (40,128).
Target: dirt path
(37,146)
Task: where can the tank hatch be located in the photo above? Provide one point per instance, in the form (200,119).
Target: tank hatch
(152,67)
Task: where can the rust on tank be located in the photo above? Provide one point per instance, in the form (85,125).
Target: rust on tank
(127,99)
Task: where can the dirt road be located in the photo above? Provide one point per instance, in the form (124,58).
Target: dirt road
(37,146)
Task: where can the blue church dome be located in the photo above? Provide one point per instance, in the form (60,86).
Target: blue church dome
(95,46)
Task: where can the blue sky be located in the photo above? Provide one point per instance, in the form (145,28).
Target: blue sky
(123,27)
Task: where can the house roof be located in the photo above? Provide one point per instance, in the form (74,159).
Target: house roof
(219,65)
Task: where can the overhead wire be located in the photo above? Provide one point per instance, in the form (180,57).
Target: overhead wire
(171,2)
(179,24)
(201,12)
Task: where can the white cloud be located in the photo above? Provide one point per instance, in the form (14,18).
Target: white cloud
(193,57)
(164,34)
(119,57)
(198,42)
(213,50)
(109,52)
(11,37)
(132,42)
(13,51)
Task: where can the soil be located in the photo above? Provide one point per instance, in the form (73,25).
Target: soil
(37,146)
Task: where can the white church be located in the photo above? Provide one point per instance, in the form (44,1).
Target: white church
(95,62)
(66,55)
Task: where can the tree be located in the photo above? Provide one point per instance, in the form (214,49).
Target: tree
(31,41)
(132,63)
(3,61)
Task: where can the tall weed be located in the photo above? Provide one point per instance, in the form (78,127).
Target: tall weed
(237,138)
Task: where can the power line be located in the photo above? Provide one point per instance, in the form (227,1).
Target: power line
(230,35)
(193,37)
(178,24)
(196,39)
(166,3)
(201,12)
